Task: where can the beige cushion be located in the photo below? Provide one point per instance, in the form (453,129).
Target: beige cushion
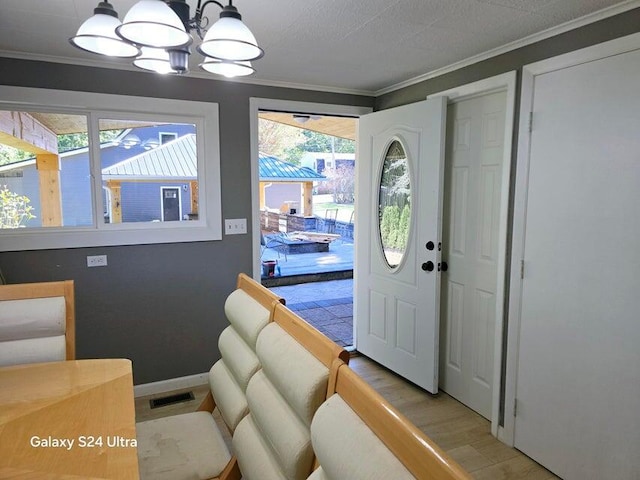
(181,447)
(33,350)
(32,318)
(32,330)
(239,358)
(288,436)
(246,315)
(254,456)
(296,374)
(273,441)
(347,448)
(318,474)
(230,398)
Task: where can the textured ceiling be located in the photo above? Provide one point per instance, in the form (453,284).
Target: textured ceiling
(343,45)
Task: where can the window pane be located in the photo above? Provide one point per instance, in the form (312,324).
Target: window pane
(44,170)
(394,204)
(149,171)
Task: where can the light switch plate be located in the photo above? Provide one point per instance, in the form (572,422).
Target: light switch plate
(235,226)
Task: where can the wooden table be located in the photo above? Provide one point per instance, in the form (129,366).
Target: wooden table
(73,419)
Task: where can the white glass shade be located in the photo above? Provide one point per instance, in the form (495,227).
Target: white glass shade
(97,35)
(230,39)
(154,60)
(152,23)
(227,69)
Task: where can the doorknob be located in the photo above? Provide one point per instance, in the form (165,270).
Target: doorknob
(445,267)
(427,266)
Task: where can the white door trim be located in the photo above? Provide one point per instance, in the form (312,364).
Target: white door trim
(506,81)
(257,104)
(518,265)
(162,189)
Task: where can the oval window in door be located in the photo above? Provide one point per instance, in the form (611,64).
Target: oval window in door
(394,204)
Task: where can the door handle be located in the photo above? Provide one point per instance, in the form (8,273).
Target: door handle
(443,266)
(427,266)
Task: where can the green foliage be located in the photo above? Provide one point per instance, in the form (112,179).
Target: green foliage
(14,209)
(317,142)
(10,155)
(394,227)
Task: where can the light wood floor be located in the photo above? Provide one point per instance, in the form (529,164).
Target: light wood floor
(462,433)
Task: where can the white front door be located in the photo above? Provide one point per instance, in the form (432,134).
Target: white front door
(473,180)
(578,377)
(397,277)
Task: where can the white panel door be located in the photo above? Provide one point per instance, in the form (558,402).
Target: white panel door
(397,286)
(578,379)
(473,178)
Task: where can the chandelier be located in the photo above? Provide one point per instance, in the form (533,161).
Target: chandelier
(157,35)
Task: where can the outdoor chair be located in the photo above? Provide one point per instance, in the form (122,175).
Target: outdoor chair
(274,241)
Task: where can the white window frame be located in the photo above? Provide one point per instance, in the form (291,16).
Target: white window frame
(168,134)
(96,106)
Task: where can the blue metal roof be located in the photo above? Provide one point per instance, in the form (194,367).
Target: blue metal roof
(272,169)
(173,160)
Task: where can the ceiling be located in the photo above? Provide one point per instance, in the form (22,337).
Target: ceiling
(359,46)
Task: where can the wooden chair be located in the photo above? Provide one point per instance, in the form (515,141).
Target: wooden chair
(37,322)
(190,446)
(273,440)
(357,434)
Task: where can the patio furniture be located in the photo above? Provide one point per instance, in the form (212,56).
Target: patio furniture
(274,241)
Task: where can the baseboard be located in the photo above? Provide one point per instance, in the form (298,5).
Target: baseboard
(171,384)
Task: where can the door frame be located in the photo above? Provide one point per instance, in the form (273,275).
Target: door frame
(521,182)
(162,189)
(255,105)
(504,82)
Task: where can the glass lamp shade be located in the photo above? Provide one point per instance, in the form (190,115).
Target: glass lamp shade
(152,23)
(230,39)
(226,68)
(154,60)
(97,35)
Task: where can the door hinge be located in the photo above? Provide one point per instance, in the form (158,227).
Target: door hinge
(530,122)
(515,407)
(521,269)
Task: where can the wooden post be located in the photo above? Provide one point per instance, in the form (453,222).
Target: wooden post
(115,215)
(307,198)
(195,192)
(263,201)
(48,165)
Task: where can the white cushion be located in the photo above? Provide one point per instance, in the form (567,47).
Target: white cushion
(181,447)
(254,456)
(32,318)
(318,474)
(299,376)
(246,315)
(347,448)
(287,435)
(230,398)
(239,358)
(33,350)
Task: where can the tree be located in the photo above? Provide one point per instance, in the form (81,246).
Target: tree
(14,209)
(277,138)
(341,182)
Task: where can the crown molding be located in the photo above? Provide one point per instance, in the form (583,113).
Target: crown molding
(536,37)
(115,65)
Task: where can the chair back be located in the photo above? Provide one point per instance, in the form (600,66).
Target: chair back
(37,322)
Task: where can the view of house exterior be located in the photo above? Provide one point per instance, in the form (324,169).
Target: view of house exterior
(160,193)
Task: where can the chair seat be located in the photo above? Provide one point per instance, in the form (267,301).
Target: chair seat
(181,447)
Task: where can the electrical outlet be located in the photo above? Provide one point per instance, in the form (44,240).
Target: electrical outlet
(235,226)
(97,261)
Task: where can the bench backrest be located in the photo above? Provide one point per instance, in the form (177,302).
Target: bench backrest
(37,322)
(358,435)
(273,440)
(249,308)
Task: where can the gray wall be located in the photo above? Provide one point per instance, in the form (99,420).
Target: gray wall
(159,305)
(162,305)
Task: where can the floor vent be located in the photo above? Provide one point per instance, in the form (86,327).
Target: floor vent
(171,399)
